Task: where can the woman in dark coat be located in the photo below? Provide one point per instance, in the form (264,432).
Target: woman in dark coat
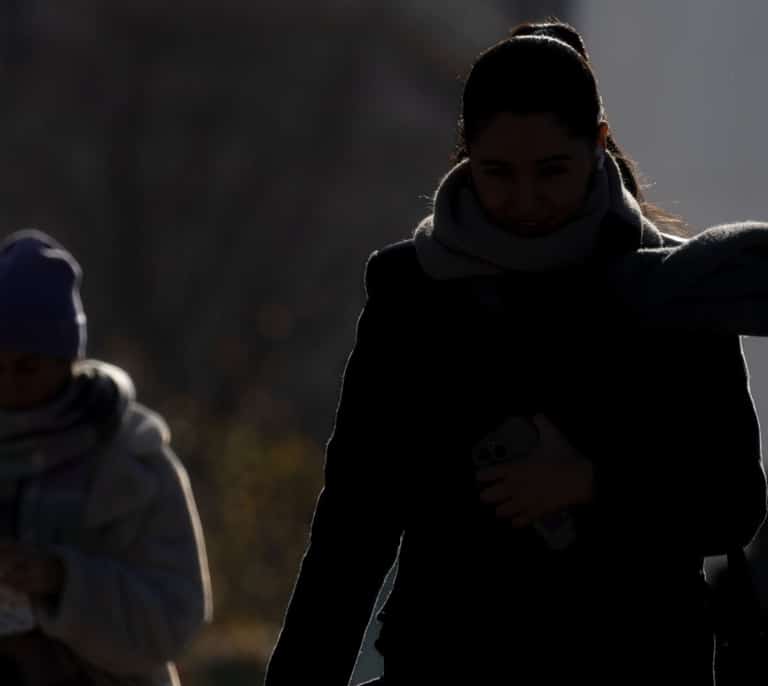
(549,470)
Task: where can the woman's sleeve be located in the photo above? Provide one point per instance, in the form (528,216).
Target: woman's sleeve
(358,519)
(693,477)
(715,281)
(132,610)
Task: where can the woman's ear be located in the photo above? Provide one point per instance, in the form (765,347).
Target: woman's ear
(599,157)
(601,145)
(603,131)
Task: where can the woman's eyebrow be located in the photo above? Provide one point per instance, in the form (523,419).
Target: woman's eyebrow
(563,157)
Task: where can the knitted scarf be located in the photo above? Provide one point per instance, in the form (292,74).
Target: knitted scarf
(35,441)
(715,282)
(458,240)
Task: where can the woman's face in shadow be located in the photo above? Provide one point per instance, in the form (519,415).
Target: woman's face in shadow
(29,381)
(530,175)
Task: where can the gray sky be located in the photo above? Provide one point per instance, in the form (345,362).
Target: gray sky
(684,88)
(685,91)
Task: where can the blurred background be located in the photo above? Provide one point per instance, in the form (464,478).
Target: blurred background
(222,171)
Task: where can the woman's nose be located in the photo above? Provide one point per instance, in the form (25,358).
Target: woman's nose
(523,203)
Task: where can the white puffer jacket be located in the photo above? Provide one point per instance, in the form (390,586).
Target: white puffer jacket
(137,587)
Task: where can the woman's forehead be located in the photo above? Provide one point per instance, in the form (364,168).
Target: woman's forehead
(524,138)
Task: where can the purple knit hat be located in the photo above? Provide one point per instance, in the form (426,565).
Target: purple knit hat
(40,307)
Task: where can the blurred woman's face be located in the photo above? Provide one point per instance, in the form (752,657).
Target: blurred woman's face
(530,175)
(29,381)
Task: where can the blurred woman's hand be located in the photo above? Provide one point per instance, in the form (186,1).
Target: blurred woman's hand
(553,476)
(31,571)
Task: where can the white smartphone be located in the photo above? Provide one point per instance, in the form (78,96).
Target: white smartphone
(513,439)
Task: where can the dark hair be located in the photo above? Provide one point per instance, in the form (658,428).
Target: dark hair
(545,67)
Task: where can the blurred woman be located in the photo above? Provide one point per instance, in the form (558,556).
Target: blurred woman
(549,470)
(103,573)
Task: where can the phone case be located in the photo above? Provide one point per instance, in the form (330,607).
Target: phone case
(513,439)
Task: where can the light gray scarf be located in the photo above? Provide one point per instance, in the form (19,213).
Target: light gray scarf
(715,282)
(458,240)
(34,441)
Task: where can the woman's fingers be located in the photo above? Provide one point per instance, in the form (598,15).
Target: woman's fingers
(518,515)
(520,520)
(497,472)
(552,477)
(503,488)
(498,493)
(510,496)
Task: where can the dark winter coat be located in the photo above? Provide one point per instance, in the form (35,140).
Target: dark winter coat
(666,419)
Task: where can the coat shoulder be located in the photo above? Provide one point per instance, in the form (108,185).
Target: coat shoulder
(394,269)
(136,467)
(144,429)
(145,442)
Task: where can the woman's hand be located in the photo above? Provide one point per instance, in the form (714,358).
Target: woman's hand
(553,476)
(29,570)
